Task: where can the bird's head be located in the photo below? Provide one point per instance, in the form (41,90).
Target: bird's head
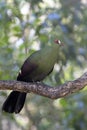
(58,42)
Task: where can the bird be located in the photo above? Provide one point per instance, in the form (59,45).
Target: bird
(35,68)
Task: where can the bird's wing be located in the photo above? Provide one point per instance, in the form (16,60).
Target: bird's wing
(27,68)
(50,71)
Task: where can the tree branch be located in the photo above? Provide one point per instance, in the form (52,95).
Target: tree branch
(45,90)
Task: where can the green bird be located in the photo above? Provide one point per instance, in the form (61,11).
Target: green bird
(35,68)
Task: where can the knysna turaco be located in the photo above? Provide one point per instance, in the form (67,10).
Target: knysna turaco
(35,68)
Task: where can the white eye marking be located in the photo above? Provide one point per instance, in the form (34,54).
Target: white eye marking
(59,41)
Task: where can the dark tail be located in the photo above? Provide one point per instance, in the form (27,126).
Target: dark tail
(14,102)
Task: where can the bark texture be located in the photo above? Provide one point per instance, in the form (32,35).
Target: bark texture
(45,90)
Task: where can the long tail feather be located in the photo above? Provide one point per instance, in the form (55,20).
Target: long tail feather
(14,102)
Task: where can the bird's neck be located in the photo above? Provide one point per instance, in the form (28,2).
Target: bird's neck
(55,47)
(51,52)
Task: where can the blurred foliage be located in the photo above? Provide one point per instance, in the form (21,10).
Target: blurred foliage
(28,25)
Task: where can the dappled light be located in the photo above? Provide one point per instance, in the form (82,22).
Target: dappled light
(30,25)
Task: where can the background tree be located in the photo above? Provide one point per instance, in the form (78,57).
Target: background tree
(26,26)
